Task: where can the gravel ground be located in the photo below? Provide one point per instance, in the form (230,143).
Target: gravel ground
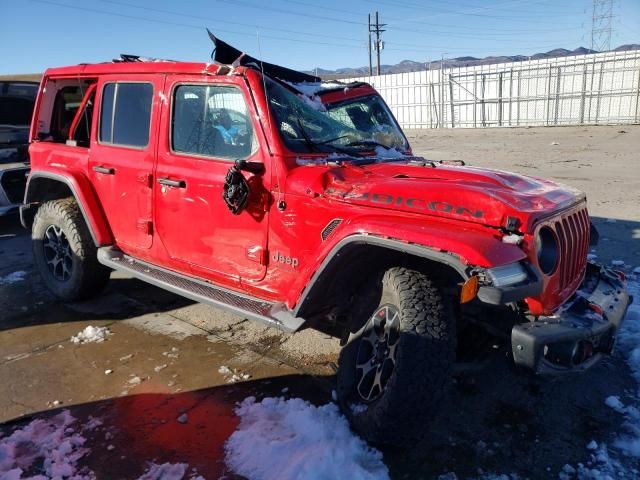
(497,420)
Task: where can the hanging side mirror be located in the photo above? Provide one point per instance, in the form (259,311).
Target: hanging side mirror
(236,189)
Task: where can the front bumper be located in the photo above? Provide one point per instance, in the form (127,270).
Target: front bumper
(581,332)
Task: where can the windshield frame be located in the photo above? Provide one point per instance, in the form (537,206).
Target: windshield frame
(301,145)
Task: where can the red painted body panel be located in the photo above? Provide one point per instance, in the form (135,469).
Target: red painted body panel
(126,194)
(193,223)
(71,163)
(459,210)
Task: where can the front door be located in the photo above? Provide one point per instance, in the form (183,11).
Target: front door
(122,155)
(208,126)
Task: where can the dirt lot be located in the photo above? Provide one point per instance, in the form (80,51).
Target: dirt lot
(164,356)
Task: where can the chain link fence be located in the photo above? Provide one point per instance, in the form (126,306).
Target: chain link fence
(595,89)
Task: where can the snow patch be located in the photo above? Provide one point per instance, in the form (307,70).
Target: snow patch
(513,239)
(166,471)
(91,334)
(233,376)
(383,152)
(292,439)
(52,447)
(12,278)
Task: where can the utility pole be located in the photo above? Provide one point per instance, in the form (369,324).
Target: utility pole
(601,25)
(370,65)
(379,44)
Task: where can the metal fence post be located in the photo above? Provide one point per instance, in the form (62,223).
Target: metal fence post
(555,119)
(453,116)
(583,93)
(599,91)
(500,99)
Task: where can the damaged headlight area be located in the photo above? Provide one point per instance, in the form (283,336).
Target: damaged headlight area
(506,275)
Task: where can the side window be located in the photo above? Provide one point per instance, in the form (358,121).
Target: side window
(212,121)
(126,114)
(65,106)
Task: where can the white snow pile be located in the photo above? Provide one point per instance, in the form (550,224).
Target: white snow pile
(12,278)
(51,446)
(512,239)
(91,334)
(280,439)
(312,88)
(168,471)
(233,376)
(383,152)
(607,463)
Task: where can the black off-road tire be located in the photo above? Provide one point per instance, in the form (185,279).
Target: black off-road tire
(424,357)
(85,276)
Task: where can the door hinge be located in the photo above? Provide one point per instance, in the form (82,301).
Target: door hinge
(146,179)
(256,254)
(145,226)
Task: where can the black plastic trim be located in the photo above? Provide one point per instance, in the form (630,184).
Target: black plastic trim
(513,293)
(574,324)
(60,178)
(448,259)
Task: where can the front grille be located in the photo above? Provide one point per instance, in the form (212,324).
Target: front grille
(13,182)
(573,238)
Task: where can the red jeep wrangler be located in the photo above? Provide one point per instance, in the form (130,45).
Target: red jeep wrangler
(254,188)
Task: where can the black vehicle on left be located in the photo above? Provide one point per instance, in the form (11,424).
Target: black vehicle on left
(17,99)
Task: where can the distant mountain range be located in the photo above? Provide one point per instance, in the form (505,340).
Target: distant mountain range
(412,66)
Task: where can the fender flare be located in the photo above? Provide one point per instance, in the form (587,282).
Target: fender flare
(85,197)
(445,258)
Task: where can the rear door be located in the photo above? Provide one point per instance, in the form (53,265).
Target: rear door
(208,126)
(122,155)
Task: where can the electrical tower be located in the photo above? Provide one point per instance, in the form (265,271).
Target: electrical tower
(601,25)
(378,44)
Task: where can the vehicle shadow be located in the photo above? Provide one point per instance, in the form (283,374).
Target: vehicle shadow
(123,435)
(499,421)
(619,240)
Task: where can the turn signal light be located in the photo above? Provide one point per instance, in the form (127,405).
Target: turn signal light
(469,290)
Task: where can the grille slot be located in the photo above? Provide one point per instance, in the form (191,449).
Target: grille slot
(13,182)
(331,226)
(573,240)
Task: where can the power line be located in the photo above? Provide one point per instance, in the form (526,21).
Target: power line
(289,12)
(187,25)
(230,22)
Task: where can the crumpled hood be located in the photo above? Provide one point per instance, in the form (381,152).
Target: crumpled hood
(472,194)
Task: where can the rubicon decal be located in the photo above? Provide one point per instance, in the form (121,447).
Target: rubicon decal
(418,204)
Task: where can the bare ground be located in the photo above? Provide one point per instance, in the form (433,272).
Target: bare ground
(497,420)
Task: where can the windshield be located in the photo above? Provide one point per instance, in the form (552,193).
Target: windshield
(351,127)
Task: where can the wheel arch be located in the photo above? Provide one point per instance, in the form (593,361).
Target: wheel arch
(360,255)
(45,186)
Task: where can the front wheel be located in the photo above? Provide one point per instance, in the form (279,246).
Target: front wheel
(64,252)
(396,366)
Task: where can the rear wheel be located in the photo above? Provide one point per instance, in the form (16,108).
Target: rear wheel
(396,366)
(64,252)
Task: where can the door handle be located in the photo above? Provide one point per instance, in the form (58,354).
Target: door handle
(105,170)
(172,183)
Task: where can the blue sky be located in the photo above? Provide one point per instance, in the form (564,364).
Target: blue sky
(301,34)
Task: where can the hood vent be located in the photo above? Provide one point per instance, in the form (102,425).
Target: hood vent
(331,226)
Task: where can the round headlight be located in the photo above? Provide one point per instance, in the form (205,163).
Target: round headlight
(547,250)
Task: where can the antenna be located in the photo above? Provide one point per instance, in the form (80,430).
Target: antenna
(601,25)
(266,101)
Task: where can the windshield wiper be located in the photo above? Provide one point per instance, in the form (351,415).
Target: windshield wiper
(368,143)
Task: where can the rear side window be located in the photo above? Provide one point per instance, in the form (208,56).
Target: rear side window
(126,114)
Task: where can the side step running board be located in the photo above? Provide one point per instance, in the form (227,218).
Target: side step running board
(271,314)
